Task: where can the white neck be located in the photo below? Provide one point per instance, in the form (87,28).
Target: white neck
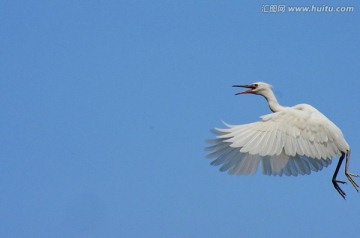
(272,101)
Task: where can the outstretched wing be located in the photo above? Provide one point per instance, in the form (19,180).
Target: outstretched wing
(294,141)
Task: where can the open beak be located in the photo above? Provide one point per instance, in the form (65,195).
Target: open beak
(252,87)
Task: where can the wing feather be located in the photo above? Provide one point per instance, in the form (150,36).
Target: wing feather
(294,141)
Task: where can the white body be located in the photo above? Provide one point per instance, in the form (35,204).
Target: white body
(290,141)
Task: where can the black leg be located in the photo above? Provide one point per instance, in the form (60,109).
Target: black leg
(350,175)
(334,181)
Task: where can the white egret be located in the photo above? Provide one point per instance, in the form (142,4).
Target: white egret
(290,141)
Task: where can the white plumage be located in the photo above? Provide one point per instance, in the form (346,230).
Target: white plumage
(290,141)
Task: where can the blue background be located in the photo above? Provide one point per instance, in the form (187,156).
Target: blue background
(106,106)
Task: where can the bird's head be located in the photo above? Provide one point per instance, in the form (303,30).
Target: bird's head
(255,88)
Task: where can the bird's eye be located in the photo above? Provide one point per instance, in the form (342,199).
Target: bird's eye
(256,85)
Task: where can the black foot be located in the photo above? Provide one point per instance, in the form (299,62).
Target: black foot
(337,187)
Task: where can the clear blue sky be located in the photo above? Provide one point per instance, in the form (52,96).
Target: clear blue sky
(106,106)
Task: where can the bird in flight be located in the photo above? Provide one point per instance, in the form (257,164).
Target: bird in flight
(290,141)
